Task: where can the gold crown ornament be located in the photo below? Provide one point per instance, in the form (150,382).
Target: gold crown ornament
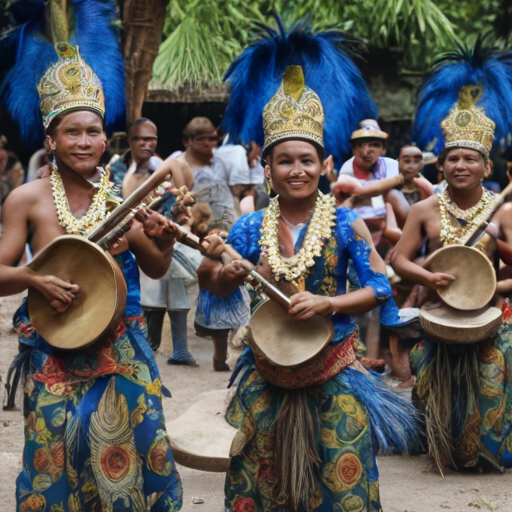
(294,112)
(467,126)
(69,84)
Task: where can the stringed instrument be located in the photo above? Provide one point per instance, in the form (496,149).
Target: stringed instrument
(99,306)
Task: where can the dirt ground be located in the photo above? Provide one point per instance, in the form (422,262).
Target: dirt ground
(407,484)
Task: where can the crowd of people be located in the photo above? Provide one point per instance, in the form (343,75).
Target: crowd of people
(368,263)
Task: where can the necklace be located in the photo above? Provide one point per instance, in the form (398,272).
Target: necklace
(95,213)
(318,232)
(453,234)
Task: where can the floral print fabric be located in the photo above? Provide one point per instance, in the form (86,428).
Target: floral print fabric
(484,440)
(95,438)
(348,405)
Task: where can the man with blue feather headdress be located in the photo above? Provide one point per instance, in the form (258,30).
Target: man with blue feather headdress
(463,374)
(95,435)
(308,435)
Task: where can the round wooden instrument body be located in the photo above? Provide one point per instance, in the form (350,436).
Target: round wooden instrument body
(285,341)
(475,282)
(201,438)
(99,306)
(449,325)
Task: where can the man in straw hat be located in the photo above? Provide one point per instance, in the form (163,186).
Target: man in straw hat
(465,389)
(94,429)
(305,437)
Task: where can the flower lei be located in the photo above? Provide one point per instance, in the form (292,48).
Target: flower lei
(96,212)
(318,232)
(451,234)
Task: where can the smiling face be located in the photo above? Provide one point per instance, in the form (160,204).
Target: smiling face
(464,169)
(294,168)
(78,141)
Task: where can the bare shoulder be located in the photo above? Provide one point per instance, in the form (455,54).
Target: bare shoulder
(505,209)
(424,208)
(29,192)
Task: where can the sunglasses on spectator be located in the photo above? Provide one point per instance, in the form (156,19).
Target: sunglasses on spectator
(201,139)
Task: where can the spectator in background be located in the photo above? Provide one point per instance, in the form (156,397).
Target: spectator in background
(130,170)
(210,174)
(12,176)
(246,177)
(369,164)
(39,159)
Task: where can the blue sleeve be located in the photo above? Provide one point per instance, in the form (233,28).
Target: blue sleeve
(244,236)
(359,253)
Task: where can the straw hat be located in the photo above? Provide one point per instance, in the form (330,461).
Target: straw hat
(369,129)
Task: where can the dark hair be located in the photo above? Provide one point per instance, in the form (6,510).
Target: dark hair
(139,122)
(444,153)
(12,160)
(319,149)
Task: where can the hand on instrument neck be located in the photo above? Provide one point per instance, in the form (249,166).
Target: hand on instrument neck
(157,227)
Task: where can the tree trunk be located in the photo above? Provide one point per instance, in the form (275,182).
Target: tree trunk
(143,22)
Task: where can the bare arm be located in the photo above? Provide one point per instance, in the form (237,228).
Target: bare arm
(153,255)
(407,246)
(347,186)
(183,176)
(214,276)
(14,279)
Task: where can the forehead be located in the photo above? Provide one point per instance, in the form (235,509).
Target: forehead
(294,147)
(81,118)
(465,152)
(143,129)
(411,152)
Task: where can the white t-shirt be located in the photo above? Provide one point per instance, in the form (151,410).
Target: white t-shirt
(384,168)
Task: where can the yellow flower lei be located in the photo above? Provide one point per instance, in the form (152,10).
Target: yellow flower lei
(451,234)
(96,212)
(318,232)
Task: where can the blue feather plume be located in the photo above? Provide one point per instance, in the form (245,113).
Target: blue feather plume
(395,422)
(31,55)
(329,70)
(483,66)
(97,37)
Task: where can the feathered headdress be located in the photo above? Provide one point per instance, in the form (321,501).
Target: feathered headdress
(89,24)
(487,68)
(325,58)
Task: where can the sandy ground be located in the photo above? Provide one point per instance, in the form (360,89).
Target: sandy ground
(407,483)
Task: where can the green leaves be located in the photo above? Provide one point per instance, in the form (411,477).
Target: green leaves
(204,37)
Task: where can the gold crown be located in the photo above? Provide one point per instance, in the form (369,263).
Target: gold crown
(467,126)
(295,112)
(69,84)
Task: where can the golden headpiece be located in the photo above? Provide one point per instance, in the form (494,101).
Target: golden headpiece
(467,126)
(69,84)
(294,112)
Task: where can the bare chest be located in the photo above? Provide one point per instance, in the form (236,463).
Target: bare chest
(44,224)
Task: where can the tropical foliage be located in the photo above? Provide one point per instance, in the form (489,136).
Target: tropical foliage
(204,36)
